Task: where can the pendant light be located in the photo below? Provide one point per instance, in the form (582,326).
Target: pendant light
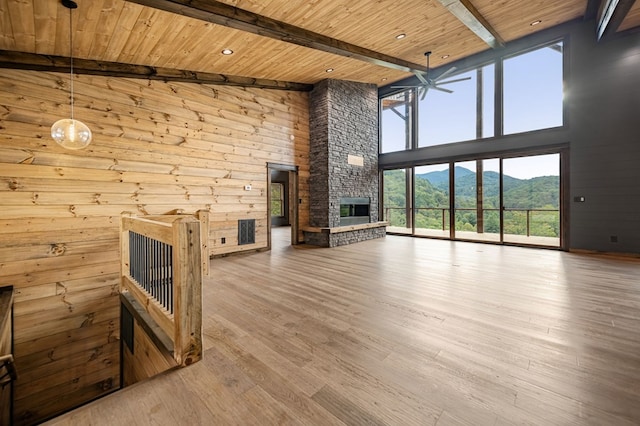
(69,132)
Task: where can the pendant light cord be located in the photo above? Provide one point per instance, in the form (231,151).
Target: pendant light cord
(71,59)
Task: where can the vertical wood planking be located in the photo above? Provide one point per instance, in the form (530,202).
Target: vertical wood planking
(157,148)
(203,217)
(187,276)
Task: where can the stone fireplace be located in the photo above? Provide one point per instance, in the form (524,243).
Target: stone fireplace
(343,156)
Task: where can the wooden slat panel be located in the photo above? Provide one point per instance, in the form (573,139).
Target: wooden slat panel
(146,361)
(45,17)
(157,148)
(512,19)
(60,345)
(22,24)
(116,30)
(632,19)
(6,33)
(30,326)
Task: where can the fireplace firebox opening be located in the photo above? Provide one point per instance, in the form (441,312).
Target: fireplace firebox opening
(354,210)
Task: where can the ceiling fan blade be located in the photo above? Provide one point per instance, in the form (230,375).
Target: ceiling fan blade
(425,89)
(453,81)
(446,73)
(422,78)
(442,89)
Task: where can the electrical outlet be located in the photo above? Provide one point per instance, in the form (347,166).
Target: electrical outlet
(247,187)
(223,240)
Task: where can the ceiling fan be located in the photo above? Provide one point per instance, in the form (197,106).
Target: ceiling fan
(427,83)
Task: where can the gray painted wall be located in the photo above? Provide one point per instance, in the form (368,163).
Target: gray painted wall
(602,132)
(604,114)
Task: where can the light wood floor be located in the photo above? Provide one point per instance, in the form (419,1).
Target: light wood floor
(404,331)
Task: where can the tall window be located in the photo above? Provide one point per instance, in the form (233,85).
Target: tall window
(464,109)
(277,200)
(533,90)
(465,114)
(395,122)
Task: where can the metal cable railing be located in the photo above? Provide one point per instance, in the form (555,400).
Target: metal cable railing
(151,265)
(444,214)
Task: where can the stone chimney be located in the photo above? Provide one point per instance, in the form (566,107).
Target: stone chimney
(343,157)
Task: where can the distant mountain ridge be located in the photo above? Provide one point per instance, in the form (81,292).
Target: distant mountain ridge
(537,192)
(431,201)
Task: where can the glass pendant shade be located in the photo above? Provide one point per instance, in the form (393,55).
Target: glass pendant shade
(68,132)
(71,134)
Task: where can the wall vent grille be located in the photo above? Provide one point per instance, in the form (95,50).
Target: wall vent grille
(246,231)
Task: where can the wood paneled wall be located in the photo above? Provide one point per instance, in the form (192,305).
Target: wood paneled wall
(147,360)
(157,147)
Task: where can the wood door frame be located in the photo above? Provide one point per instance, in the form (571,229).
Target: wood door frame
(293,199)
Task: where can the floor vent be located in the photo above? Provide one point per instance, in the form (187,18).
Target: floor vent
(246,231)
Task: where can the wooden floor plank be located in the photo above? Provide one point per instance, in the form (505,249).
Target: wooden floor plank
(404,331)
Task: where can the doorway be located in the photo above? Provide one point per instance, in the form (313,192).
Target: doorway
(282,202)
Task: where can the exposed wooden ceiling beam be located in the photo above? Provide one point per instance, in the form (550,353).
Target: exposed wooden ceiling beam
(232,17)
(473,19)
(611,15)
(33,61)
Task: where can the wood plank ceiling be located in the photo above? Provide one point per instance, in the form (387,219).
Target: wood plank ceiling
(108,32)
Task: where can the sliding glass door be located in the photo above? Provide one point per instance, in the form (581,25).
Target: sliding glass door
(531,197)
(431,201)
(477,200)
(513,200)
(396,202)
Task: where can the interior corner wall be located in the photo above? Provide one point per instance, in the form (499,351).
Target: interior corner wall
(157,147)
(604,120)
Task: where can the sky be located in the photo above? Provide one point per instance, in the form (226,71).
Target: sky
(533,96)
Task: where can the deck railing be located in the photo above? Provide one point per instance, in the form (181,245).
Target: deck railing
(444,214)
(162,269)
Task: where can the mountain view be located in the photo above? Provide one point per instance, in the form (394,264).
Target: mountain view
(432,197)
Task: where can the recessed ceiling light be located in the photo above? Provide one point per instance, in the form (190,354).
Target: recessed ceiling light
(227,52)
(536,22)
(329,70)
(444,56)
(384,78)
(400,36)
